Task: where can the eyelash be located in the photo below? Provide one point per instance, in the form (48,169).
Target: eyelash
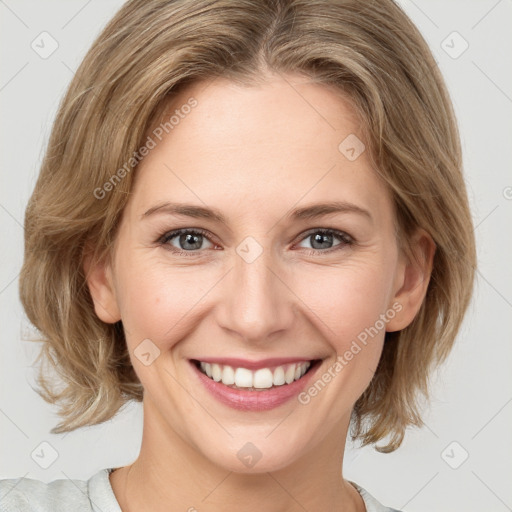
(346,240)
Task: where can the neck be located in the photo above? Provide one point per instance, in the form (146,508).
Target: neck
(171,474)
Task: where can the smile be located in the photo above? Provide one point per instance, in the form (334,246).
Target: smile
(267,385)
(263,378)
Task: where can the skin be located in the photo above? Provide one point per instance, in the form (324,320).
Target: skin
(254,153)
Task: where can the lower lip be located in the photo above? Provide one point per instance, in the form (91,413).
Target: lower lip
(255,400)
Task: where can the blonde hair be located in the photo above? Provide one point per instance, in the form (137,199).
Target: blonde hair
(370,51)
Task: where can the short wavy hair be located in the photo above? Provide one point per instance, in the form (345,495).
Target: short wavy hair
(369,51)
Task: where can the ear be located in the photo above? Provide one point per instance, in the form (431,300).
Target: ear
(411,283)
(99,280)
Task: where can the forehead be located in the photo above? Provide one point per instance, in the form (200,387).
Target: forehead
(273,143)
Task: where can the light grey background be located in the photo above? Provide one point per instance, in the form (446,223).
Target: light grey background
(472,393)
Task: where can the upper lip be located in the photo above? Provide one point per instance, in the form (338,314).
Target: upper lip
(254,365)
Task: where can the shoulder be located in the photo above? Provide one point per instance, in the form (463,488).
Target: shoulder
(27,494)
(63,495)
(371,503)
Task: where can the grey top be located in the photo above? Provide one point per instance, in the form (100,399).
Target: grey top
(95,494)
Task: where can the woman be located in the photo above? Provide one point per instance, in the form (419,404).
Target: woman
(203,155)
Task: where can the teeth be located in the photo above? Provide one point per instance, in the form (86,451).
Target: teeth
(289,376)
(279,376)
(216,372)
(207,368)
(228,375)
(263,378)
(243,378)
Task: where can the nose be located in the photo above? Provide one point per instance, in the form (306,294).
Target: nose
(257,301)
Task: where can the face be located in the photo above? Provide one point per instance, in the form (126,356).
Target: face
(259,280)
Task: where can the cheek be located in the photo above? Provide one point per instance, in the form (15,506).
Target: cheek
(157,302)
(348,303)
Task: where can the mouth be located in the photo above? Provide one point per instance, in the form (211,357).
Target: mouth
(259,378)
(263,386)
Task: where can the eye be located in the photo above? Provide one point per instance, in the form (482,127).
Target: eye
(185,241)
(189,242)
(322,240)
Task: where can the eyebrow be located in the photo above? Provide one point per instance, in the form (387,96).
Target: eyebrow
(305,213)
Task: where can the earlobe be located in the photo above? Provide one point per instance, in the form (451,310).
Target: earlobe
(412,280)
(99,280)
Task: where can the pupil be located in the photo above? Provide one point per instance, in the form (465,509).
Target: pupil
(320,238)
(189,238)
